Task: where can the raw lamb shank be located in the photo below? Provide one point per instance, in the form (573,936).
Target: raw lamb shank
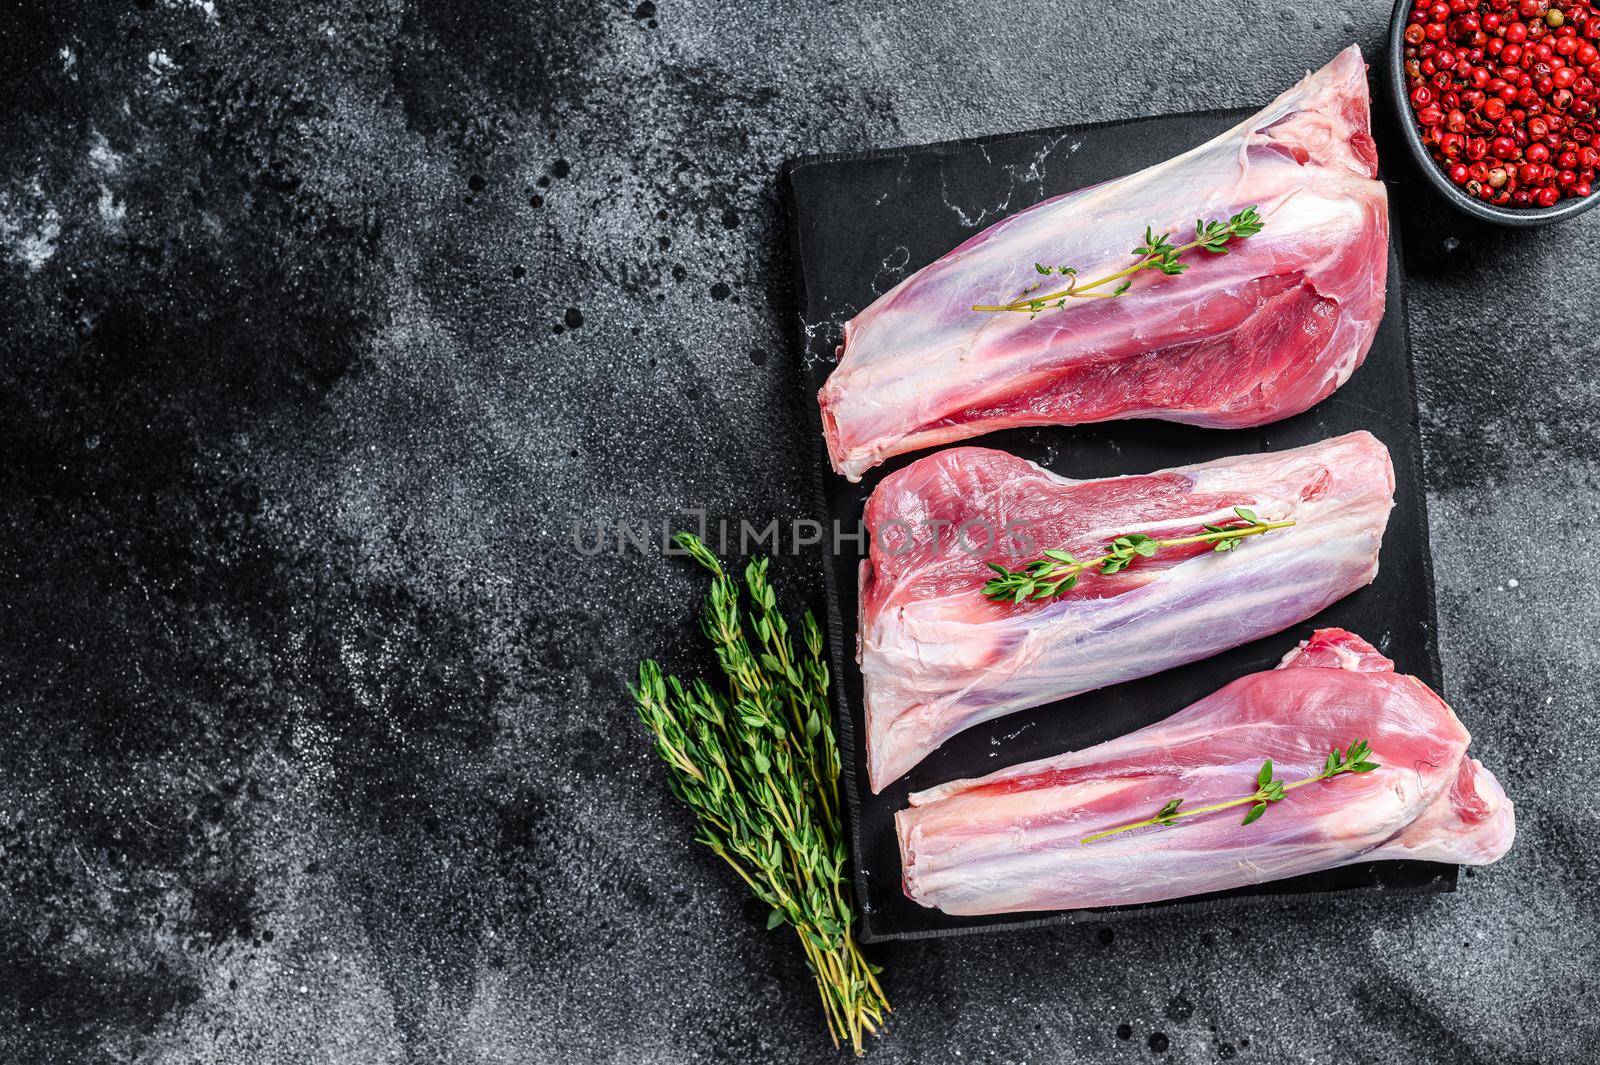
(938,657)
(1240,339)
(1015,840)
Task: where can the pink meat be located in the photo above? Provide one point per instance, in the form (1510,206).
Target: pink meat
(1239,340)
(1013,841)
(937,657)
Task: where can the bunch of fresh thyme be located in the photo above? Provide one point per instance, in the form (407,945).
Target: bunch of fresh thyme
(757,762)
(1058,571)
(1156,253)
(1268,791)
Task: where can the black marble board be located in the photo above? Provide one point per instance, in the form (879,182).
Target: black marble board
(863,221)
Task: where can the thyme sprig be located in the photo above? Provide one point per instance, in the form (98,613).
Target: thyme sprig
(1058,571)
(1268,791)
(1157,252)
(757,762)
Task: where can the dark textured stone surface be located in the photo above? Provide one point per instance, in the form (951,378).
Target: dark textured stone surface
(324,323)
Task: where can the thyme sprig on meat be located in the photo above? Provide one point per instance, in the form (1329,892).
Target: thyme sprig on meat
(1268,791)
(1157,252)
(1058,571)
(757,762)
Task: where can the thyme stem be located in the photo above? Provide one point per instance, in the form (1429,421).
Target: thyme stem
(1156,253)
(1082,291)
(1268,791)
(1058,571)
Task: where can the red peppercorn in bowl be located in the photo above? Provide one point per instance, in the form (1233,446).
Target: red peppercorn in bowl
(1500,102)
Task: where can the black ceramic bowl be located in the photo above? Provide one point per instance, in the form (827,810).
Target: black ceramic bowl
(1399,97)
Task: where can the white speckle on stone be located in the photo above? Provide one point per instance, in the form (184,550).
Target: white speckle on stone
(1511,582)
(29,226)
(111,212)
(205,7)
(102,156)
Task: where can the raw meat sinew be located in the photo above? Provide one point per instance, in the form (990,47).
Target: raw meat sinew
(1012,841)
(1240,339)
(937,657)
